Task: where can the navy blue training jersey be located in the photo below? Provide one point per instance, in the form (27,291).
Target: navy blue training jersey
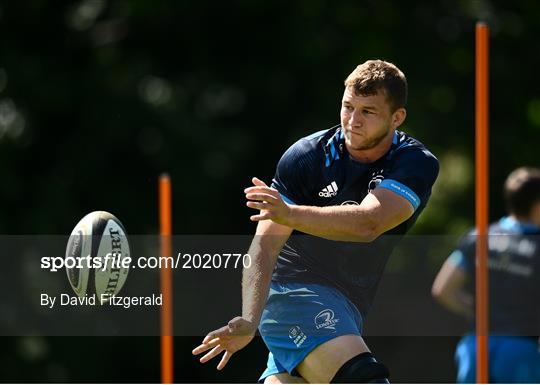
(514,268)
(318,171)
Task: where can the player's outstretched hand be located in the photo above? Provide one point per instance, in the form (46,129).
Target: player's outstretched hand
(268,201)
(229,339)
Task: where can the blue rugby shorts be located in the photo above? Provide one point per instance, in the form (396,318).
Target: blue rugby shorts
(298,317)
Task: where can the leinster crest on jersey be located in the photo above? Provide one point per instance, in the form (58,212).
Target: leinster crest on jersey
(376,178)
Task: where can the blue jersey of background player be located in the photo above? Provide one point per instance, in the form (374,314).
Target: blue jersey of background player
(514,287)
(338,190)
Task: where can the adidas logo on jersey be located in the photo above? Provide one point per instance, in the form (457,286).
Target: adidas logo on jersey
(329,191)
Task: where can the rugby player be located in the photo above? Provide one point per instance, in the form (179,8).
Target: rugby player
(514,287)
(336,192)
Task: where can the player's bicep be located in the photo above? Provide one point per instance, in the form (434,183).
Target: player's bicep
(388,209)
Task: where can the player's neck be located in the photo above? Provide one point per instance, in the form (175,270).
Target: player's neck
(375,153)
(525,219)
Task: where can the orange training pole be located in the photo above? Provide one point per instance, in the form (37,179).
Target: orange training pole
(165,224)
(482,203)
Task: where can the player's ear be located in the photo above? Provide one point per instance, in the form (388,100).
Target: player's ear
(398,117)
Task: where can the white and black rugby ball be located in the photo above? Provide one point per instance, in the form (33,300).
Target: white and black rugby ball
(97,235)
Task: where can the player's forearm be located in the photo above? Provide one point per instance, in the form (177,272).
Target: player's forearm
(337,223)
(464,304)
(458,302)
(256,279)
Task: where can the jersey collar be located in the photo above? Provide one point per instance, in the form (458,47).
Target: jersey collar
(334,146)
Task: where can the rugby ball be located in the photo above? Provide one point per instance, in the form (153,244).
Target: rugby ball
(96,248)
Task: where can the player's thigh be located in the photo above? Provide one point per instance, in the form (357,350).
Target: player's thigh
(322,364)
(284,378)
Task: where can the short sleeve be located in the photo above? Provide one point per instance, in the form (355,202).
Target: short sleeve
(293,172)
(412,175)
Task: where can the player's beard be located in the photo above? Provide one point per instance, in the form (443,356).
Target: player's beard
(370,143)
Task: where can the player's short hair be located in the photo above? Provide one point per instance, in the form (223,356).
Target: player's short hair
(374,75)
(522,190)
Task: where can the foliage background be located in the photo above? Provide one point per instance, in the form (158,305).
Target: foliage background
(97,98)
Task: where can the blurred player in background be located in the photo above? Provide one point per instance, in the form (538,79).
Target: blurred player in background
(337,191)
(514,287)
